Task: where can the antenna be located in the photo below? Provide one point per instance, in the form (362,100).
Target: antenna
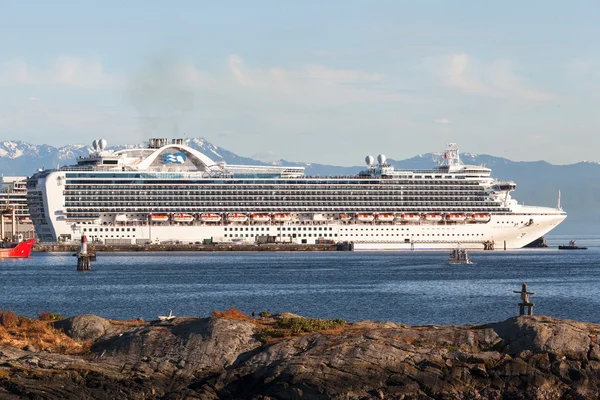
(558,206)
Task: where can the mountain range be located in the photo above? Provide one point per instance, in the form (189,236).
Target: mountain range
(538,182)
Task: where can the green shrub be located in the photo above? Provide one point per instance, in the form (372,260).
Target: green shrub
(264,314)
(300,325)
(288,327)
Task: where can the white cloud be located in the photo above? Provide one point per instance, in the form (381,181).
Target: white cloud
(64,70)
(313,85)
(493,79)
(442,121)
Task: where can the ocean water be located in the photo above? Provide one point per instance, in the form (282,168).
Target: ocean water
(409,287)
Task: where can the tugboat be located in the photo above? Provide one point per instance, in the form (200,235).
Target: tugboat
(16,250)
(459,256)
(571,246)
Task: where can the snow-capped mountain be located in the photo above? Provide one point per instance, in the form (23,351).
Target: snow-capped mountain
(537,182)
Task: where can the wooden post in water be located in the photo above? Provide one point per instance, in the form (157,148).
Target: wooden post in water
(84,259)
(525,300)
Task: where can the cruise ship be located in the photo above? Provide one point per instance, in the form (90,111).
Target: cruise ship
(170,192)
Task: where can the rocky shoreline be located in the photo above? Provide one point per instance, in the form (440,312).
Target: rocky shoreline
(233,357)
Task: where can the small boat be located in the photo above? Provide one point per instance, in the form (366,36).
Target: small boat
(167,317)
(365,217)
(208,217)
(159,218)
(385,217)
(282,217)
(237,217)
(459,256)
(16,250)
(183,217)
(456,217)
(345,217)
(480,217)
(433,217)
(410,217)
(261,217)
(571,246)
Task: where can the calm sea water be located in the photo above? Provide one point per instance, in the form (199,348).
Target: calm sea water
(409,287)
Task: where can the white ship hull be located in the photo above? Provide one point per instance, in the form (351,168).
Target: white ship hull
(506,231)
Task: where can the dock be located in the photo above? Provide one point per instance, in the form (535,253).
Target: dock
(132,248)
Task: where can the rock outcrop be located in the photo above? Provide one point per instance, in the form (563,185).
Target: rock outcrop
(218,358)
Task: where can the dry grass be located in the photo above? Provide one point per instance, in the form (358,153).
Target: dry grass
(131,322)
(17,331)
(232,313)
(48,316)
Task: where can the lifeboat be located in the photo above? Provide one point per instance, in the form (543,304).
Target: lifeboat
(345,217)
(261,217)
(282,217)
(410,217)
(433,217)
(24,219)
(456,217)
(481,217)
(385,217)
(183,217)
(237,217)
(208,217)
(159,218)
(365,217)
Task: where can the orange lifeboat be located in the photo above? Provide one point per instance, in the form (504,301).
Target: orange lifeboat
(159,218)
(345,217)
(261,217)
(410,217)
(237,217)
(183,217)
(433,217)
(208,217)
(385,217)
(282,217)
(481,217)
(456,217)
(365,217)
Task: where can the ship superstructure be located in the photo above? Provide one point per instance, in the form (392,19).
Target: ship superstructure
(172,192)
(14,214)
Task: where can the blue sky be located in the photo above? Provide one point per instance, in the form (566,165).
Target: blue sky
(308,81)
